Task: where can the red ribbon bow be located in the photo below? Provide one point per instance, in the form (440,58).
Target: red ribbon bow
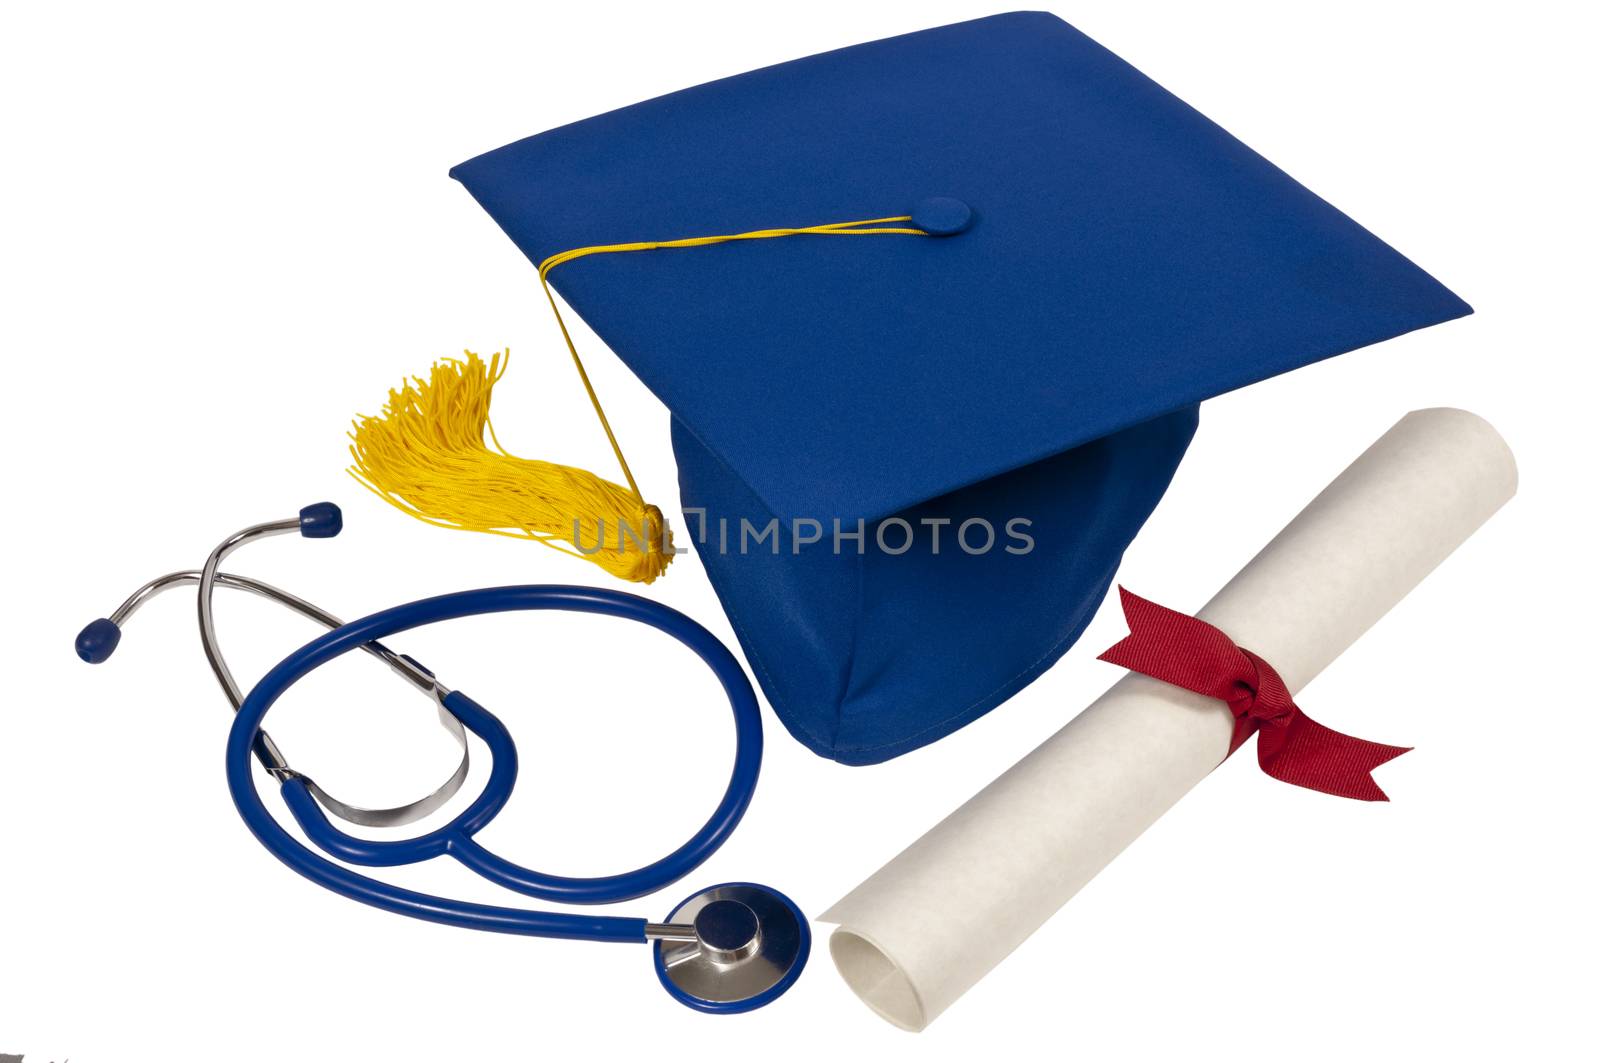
(1190,653)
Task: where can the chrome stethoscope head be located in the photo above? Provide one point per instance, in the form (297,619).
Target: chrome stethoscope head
(730,948)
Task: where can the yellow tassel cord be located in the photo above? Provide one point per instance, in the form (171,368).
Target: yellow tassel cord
(426,455)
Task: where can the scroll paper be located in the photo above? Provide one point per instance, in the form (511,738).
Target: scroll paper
(926,927)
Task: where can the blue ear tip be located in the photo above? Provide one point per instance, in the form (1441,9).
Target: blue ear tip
(98,640)
(321,520)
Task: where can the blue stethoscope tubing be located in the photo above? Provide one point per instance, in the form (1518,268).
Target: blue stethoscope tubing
(456,838)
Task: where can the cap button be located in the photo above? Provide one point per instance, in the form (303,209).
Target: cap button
(941,216)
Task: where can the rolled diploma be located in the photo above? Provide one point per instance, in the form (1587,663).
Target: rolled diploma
(938,917)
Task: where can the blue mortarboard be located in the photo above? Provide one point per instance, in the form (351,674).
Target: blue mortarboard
(1112,259)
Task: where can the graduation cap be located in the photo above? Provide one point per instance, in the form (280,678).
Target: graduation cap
(911,457)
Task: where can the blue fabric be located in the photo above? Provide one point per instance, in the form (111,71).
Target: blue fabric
(865,655)
(1125,259)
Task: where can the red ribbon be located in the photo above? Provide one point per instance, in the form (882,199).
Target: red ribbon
(1190,653)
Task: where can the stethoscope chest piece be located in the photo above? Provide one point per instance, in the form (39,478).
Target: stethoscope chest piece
(751,943)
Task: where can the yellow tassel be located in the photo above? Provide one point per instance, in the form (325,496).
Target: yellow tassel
(426,456)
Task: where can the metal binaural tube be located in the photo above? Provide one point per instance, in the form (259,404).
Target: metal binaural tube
(208,576)
(322,520)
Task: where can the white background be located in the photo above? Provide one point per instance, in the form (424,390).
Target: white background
(227,231)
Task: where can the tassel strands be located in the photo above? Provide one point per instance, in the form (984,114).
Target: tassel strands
(433,454)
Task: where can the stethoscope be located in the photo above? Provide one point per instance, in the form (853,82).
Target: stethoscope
(729,948)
